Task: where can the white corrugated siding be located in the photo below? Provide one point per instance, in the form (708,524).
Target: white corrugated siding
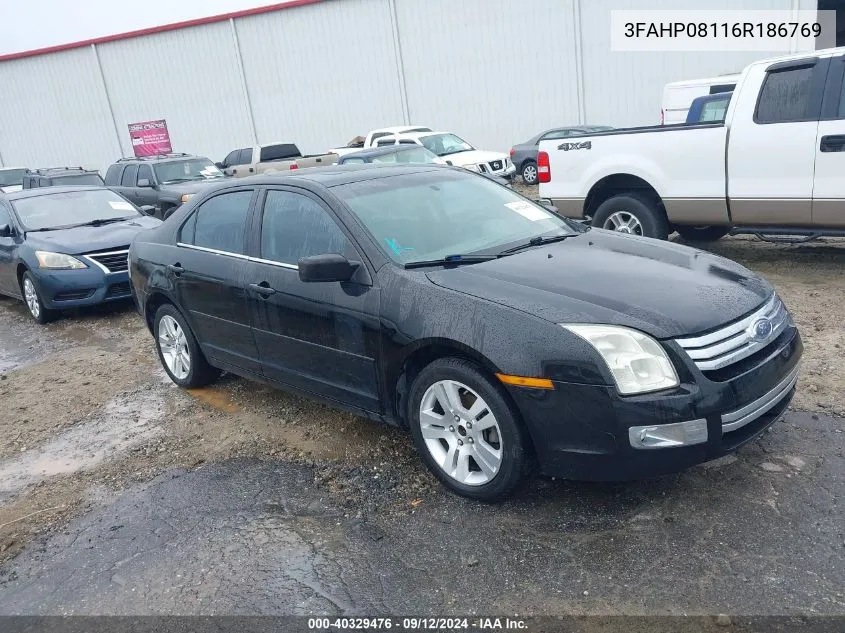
(320,74)
(625,89)
(492,71)
(189,77)
(53,112)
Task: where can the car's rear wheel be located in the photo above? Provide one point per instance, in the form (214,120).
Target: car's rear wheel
(702,233)
(634,214)
(179,351)
(33,300)
(529,172)
(466,431)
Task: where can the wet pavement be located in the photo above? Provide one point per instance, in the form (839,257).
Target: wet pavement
(758,533)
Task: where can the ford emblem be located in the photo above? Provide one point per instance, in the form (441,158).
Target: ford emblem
(761,329)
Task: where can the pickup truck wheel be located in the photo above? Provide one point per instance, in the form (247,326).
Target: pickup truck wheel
(529,172)
(702,233)
(634,214)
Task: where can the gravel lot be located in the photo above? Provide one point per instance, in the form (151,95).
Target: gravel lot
(94,436)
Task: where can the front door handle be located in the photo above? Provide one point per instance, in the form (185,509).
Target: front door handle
(832,143)
(263,289)
(176,269)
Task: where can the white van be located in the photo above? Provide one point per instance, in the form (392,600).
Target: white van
(678,95)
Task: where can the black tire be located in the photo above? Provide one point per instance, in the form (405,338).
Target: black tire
(529,178)
(200,372)
(645,209)
(40,314)
(702,233)
(516,458)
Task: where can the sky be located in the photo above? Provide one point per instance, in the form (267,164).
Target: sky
(56,22)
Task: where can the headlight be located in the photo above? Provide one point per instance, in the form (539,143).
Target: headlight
(186,196)
(57,261)
(638,363)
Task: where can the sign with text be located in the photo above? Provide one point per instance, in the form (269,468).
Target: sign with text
(150,138)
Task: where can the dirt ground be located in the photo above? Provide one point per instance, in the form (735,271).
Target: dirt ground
(89,412)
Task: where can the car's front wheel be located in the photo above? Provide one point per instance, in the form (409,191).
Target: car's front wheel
(529,172)
(33,300)
(179,351)
(465,430)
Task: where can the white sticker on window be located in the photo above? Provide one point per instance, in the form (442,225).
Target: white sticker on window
(528,210)
(119,205)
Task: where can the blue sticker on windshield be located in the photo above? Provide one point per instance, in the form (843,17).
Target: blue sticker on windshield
(394,246)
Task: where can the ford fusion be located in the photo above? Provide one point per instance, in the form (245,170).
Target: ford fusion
(499,334)
(65,247)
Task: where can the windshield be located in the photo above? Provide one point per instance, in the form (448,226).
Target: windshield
(445,144)
(184,170)
(414,155)
(429,215)
(11,177)
(70,208)
(81,179)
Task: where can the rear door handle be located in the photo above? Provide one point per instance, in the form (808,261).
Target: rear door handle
(263,289)
(176,269)
(833,143)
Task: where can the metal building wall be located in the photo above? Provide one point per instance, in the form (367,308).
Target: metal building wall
(189,77)
(53,111)
(320,74)
(493,71)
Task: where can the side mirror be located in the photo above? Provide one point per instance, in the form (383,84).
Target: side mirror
(5,230)
(144,182)
(330,267)
(147,209)
(448,162)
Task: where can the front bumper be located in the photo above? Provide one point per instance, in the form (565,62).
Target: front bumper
(61,289)
(590,432)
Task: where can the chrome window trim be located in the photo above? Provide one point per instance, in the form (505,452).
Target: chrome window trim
(753,410)
(247,258)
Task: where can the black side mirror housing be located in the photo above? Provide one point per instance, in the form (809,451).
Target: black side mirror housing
(326,268)
(147,209)
(449,162)
(6,230)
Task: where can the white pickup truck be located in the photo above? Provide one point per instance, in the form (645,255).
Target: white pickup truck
(773,168)
(366,142)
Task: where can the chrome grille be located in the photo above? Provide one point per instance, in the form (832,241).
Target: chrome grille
(112,261)
(496,165)
(738,340)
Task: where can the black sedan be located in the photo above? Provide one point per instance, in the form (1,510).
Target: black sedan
(66,247)
(495,331)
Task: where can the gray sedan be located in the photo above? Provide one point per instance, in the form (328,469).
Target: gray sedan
(524,155)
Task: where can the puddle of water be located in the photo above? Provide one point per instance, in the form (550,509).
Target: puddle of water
(216,398)
(119,426)
(18,346)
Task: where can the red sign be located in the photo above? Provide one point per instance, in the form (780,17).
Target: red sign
(150,138)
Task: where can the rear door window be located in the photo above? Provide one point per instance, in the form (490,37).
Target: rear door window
(129,176)
(279,152)
(113,174)
(785,96)
(220,223)
(145,172)
(245,157)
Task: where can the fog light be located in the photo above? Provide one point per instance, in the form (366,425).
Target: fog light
(668,435)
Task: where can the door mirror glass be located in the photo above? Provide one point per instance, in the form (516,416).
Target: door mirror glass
(144,182)
(5,230)
(323,268)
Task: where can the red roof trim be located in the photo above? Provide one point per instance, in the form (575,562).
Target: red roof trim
(160,29)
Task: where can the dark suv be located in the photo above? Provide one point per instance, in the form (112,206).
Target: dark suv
(164,181)
(61,176)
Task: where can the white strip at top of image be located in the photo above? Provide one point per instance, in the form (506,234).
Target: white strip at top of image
(679,30)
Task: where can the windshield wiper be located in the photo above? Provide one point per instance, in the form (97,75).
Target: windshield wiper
(537,241)
(452,260)
(99,222)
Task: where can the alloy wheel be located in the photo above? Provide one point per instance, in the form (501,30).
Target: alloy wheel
(31,296)
(529,174)
(624,222)
(174,347)
(461,432)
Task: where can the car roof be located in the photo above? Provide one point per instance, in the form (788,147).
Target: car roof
(378,151)
(60,171)
(50,191)
(397,129)
(161,158)
(334,175)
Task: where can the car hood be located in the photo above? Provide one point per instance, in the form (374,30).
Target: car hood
(191,186)
(11,188)
(473,157)
(84,239)
(663,289)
